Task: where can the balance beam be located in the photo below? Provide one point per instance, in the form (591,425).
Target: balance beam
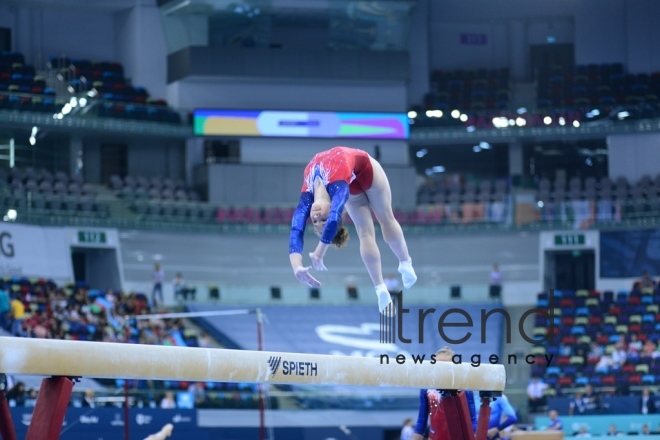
(50,357)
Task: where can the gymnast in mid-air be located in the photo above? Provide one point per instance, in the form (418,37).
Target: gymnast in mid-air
(348,178)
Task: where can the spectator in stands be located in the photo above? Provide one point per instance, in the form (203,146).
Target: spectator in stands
(612,432)
(4,310)
(199,394)
(348,178)
(17,394)
(583,432)
(648,352)
(646,281)
(89,400)
(619,355)
(646,430)
(31,399)
(17,316)
(179,285)
(591,400)
(647,402)
(407,431)
(595,351)
(555,422)
(158,277)
(168,401)
(577,405)
(536,394)
(204,340)
(634,347)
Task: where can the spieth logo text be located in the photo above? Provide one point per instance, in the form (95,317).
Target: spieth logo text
(291,368)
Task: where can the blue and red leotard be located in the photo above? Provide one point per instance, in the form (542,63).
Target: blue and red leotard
(343,171)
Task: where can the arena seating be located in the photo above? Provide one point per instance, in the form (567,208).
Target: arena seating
(120,98)
(604,200)
(21,89)
(468,90)
(594,84)
(78,312)
(588,328)
(464,203)
(45,193)
(565,94)
(155,188)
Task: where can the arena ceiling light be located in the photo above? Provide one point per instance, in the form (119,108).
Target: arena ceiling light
(412,114)
(421,153)
(434,170)
(484,145)
(501,122)
(455,114)
(622,115)
(11,215)
(33,135)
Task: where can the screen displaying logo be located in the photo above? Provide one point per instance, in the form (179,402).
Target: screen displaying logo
(339,125)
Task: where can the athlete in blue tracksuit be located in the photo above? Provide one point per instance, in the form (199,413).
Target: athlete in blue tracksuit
(498,408)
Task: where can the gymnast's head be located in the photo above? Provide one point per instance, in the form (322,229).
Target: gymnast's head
(319,216)
(444,354)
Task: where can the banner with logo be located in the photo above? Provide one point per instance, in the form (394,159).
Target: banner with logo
(109,422)
(33,251)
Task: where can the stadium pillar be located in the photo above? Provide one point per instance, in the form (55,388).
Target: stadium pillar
(518,50)
(516,162)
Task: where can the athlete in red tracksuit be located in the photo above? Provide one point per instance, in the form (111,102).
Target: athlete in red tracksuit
(348,178)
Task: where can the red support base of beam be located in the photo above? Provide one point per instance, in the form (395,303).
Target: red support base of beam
(484,419)
(50,409)
(464,415)
(7,431)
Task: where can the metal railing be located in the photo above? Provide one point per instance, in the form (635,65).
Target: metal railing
(33,207)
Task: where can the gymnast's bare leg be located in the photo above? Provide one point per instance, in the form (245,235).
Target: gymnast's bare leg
(359,211)
(380,200)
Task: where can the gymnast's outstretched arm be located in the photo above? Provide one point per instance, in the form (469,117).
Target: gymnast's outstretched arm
(296,240)
(423,417)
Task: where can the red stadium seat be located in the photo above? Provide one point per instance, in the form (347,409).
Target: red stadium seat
(608,380)
(563,360)
(565,382)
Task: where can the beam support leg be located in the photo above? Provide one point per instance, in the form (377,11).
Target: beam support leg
(6,424)
(50,409)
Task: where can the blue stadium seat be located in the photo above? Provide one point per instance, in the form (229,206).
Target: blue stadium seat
(582,380)
(648,379)
(553,371)
(578,330)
